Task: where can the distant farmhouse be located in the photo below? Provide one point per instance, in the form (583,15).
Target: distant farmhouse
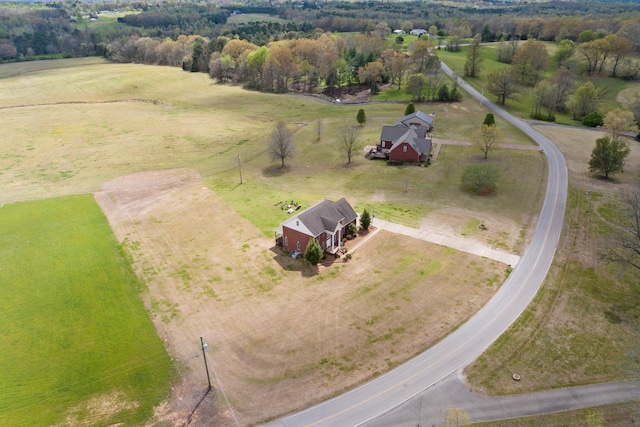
(328,222)
(418,32)
(406,140)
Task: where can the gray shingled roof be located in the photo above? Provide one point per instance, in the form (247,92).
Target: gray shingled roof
(391,133)
(421,145)
(326,215)
(419,114)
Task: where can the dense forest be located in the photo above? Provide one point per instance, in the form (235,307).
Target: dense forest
(29,30)
(297,48)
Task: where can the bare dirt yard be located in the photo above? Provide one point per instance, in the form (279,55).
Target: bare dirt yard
(282,335)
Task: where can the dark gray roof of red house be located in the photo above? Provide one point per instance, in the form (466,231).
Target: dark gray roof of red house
(326,215)
(391,133)
(420,145)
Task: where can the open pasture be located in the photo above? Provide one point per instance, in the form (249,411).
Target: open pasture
(207,257)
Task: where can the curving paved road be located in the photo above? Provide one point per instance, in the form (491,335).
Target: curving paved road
(471,339)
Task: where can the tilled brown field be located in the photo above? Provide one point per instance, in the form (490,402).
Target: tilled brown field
(281,335)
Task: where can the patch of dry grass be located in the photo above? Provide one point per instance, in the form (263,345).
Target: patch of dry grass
(578,327)
(284,335)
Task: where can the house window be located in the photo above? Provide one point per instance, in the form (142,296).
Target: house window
(384,144)
(286,240)
(297,222)
(298,245)
(404,149)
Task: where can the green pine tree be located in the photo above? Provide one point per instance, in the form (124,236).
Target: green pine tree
(489,120)
(410,109)
(365,218)
(313,254)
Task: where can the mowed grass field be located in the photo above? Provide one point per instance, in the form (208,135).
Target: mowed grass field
(78,348)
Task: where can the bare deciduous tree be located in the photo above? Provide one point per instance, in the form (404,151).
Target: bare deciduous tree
(625,244)
(348,140)
(281,144)
(473,64)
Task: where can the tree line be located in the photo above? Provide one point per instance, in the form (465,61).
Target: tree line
(61,28)
(576,86)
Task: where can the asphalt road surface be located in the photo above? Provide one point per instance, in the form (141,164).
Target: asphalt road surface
(390,390)
(430,407)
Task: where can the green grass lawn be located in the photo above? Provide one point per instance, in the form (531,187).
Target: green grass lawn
(74,329)
(246,18)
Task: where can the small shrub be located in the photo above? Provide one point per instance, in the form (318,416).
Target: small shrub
(544,117)
(592,119)
(352,229)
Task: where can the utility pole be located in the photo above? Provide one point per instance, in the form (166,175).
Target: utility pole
(239,169)
(206,367)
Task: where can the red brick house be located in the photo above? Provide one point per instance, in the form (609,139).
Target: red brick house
(410,148)
(327,222)
(406,140)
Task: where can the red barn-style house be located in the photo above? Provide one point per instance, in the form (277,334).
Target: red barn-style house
(328,222)
(406,140)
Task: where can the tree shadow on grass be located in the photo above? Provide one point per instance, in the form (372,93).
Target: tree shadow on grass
(275,170)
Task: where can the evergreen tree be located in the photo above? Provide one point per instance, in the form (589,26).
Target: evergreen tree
(410,109)
(443,93)
(489,119)
(365,218)
(361,117)
(313,254)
